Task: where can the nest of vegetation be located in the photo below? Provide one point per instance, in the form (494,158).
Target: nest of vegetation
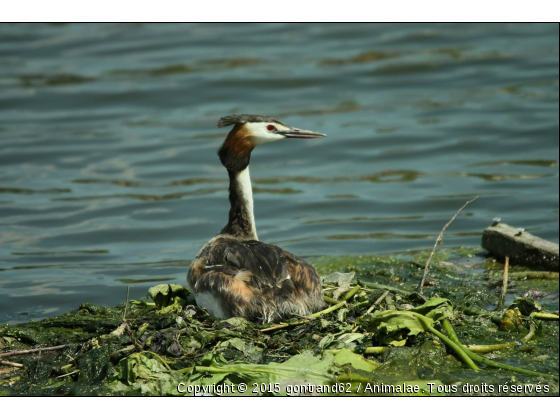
(377,336)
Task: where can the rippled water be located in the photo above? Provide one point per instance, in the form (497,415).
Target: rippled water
(108,168)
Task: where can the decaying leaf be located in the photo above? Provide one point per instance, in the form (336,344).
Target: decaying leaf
(526,305)
(342,280)
(302,367)
(163,294)
(146,374)
(394,327)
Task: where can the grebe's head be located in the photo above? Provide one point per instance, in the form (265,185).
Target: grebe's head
(251,130)
(260,129)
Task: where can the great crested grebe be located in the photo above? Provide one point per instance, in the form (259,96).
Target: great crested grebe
(234,274)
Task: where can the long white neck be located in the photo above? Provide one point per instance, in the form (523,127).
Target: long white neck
(244,181)
(241,217)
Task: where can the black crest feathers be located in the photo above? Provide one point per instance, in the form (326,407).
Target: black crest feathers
(244,118)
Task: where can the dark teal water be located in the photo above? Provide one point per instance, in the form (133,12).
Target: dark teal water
(108,139)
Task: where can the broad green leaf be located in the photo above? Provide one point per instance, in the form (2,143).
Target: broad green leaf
(240,324)
(341,315)
(164,294)
(350,337)
(394,327)
(347,356)
(436,309)
(326,341)
(141,372)
(250,350)
(302,368)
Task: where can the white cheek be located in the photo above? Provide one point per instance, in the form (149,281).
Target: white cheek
(261,135)
(267,137)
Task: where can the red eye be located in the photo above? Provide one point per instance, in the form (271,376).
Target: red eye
(270,128)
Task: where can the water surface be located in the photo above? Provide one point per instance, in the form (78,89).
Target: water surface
(108,168)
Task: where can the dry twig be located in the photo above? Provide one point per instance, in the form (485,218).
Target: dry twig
(504,286)
(9,370)
(16,352)
(12,364)
(68,374)
(439,241)
(370,309)
(126,305)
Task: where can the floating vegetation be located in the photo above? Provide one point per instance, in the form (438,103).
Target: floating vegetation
(377,337)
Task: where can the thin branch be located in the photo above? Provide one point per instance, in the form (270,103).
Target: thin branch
(504,286)
(370,309)
(439,241)
(68,374)
(378,301)
(126,305)
(12,364)
(9,370)
(16,352)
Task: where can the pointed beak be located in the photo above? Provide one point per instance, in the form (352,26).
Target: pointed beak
(296,133)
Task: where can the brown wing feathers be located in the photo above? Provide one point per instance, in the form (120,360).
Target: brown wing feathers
(256,280)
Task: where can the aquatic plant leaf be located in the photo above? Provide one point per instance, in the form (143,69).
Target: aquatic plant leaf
(175,305)
(142,303)
(350,337)
(435,309)
(302,368)
(141,372)
(164,294)
(326,341)
(235,342)
(347,356)
(342,280)
(238,323)
(94,366)
(345,340)
(526,305)
(90,345)
(394,327)
(250,351)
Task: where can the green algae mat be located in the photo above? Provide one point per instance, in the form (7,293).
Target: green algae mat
(377,337)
